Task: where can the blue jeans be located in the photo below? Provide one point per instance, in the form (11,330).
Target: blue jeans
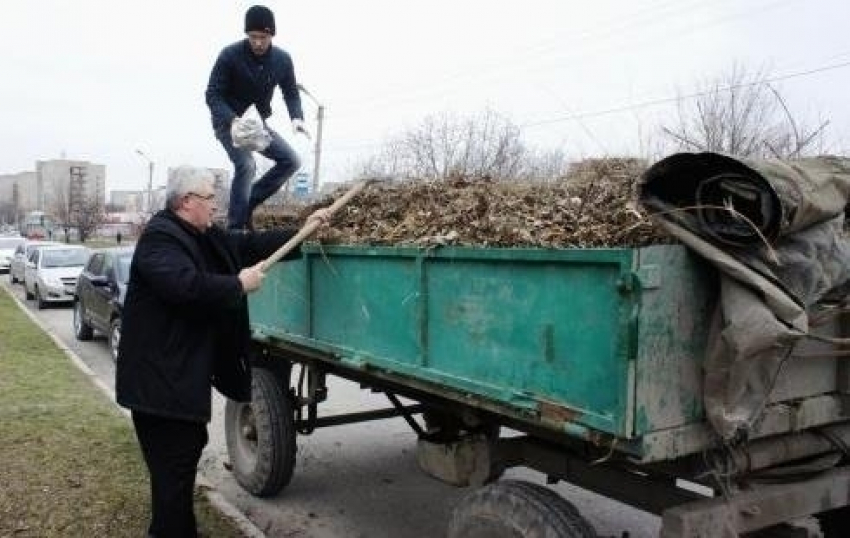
(245,196)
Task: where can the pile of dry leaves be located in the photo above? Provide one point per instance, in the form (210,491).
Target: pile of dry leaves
(481,212)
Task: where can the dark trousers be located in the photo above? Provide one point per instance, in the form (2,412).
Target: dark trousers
(172,449)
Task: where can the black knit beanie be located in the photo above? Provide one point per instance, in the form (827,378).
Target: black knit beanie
(259,19)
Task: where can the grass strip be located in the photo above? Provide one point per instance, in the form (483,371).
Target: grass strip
(69,461)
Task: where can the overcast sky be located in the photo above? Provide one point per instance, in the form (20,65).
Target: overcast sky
(99,79)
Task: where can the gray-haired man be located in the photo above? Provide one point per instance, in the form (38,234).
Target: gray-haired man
(185,330)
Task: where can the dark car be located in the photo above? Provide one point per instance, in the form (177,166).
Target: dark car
(99,299)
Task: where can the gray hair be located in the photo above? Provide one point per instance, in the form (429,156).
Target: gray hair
(185,179)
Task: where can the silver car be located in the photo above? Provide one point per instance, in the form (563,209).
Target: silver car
(51,273)
(7,250)
(19,259)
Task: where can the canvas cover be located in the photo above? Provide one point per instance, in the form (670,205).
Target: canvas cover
(775,231)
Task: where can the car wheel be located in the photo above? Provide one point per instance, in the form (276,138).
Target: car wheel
(12,278)
(114,338)
(27,293)
(40,303)
(82,330)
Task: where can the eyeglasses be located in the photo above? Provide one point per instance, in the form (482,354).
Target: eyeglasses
(204,197)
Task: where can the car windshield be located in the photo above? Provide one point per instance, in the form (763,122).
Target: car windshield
(70,257)
(123,267)
(10,242)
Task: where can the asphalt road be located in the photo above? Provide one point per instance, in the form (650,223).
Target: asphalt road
(357,480)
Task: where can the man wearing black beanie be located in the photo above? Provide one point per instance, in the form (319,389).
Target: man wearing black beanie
(246,73)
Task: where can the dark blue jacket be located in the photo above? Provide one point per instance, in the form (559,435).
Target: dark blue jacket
(239,79)
(185,319)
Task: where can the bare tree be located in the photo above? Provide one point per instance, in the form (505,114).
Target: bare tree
(740,113)
(544,165)
(87,217)
(483,145)
(443,145)
(73,209)
(8,213)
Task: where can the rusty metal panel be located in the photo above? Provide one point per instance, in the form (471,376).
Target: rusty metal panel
(673,322)
(548,333)
(578,341)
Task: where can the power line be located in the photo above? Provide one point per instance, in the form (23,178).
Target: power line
(630,107)
(666,100)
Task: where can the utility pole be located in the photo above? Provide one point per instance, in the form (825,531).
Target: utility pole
(317,151)
(320,117)
(150,180)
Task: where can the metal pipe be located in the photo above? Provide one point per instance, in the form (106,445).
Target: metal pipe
(770,451)
(362,416)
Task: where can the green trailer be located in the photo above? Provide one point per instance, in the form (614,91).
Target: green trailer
(584,364)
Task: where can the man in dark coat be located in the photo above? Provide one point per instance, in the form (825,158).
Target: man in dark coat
(185,329)
(246,73)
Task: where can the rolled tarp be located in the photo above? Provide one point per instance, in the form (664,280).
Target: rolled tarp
(775,232)
(741,202)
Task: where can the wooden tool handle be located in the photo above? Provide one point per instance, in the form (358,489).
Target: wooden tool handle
(311,226)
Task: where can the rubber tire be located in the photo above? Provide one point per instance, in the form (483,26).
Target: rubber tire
(114,338)
(517,509)
(40,303)
(261,436)
(82,330)
(27,293)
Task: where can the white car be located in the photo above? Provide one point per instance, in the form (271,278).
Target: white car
(19,259)
(51,273)
(7,250)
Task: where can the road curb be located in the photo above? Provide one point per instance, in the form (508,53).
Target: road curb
(217,500)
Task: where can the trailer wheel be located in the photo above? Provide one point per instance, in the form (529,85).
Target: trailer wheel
(516,509)
(261,436)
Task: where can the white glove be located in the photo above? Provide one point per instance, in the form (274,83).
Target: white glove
(298,127)
(249,132)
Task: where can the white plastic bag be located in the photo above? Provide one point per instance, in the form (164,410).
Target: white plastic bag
(249,132)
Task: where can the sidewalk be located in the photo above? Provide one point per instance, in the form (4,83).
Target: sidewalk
(71,465)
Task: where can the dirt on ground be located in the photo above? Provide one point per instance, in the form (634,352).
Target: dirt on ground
(595,207)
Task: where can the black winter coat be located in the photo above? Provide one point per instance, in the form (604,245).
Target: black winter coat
(185,319)
(239,78)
